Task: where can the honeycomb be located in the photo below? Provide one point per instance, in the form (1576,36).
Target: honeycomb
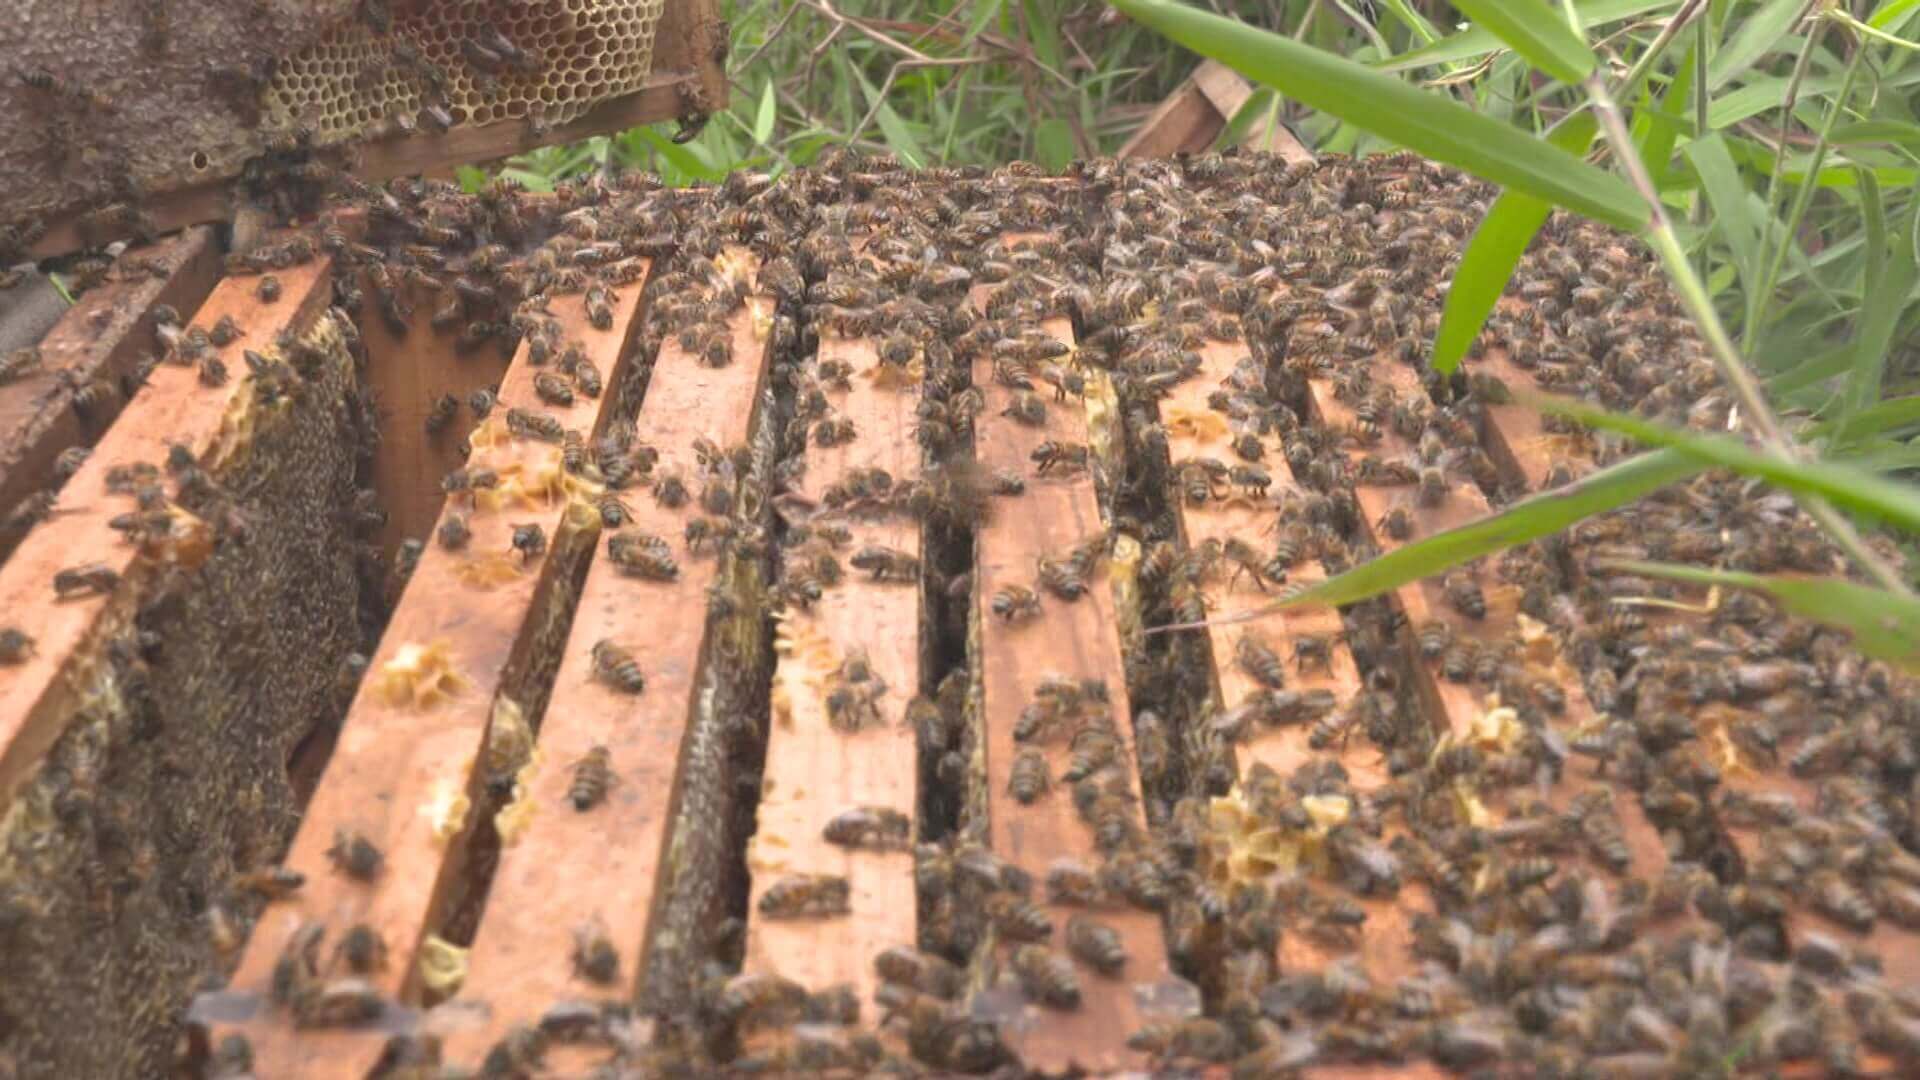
(356,82)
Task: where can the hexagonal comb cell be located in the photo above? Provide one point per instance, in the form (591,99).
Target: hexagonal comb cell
(461,62)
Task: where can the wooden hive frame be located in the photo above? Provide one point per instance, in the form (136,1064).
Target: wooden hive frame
(688,61)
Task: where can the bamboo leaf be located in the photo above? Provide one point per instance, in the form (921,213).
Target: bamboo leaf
(1496,247)
(1537,33)
(1479,40)
(1890,280)
(1890,13)
(1733,210)
(1053,141)
(1883,624)
(763,119)
(1755,38)
(1538,516)
(1427,123)
(1844,485)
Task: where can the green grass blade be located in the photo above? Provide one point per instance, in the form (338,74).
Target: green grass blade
(1495,250)
(1756,37)
(1427,123)
(1479,41)
(764,116)
(1869,132)
(1733,210)
(900,138)
(1890,13)
(1890,280)
(1815,369)
(1883,624)
(1537,33)
(1843,485)
(1900,412)
(1531,519)
(1054,142)
(1414,21)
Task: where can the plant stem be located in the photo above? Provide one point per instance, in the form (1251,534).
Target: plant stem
(1746,389)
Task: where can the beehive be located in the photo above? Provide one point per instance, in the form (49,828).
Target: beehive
(819,725)
(134,118)
(362,79)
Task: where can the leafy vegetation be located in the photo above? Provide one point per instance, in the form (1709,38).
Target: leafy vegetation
(1768,150)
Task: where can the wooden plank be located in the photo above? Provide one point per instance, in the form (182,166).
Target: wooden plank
(36,697)
(1184,122)
(1078,640)
(1228,92)
(405,773)
(408,373)
(814,772)
(427,152)
(570,869)
(1195,431)
(106,334)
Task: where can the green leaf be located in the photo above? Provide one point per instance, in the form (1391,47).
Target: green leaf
(1495,250)
(1889,283)
(1876,419)
(1479,40)
(1869,132)
(1414,21)
(677,155)
(1883,624)
(1043,28)
(1841,484)
(763,119)
(1890,13)
(1756,37)
(1530,519)
(984,12)
(1663,123)
(1536,32)
(899,136)
(1053,140)
(1430,124)
(1815,369)
(1733,210)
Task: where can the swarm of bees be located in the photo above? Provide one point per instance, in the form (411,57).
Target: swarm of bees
(1621,720)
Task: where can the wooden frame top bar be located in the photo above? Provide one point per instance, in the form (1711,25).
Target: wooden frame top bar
(173,407)
(404,773)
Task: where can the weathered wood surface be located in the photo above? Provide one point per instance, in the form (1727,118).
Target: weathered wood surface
(104,335)
(1077,640)
(813,771)
(571,869)
(36,697)
(406,771)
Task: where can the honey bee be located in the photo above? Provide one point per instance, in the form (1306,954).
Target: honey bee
(594,956)
(1315,650)
(806,896)
(354,855)
(469,480)
(1018,918)
(1260,662)
(1433,486)
(1026,407)
(15,646)
(1434,638)
(875,828)
(616,667)
(1015,603)
(1046,977)
(91,578)
(527,423)
(444,408)
(592,775)
(1065,456)
(923,971)
(670,489)
(362,949)
(599,305)
(1096,944)
(1006,482)
(552,389)
(530,540)
(270,882)
(1029,776)
(833,431)
(755,994)
(586,378)
(20,363)
(1064,578)
(886,563)
(1463,592)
